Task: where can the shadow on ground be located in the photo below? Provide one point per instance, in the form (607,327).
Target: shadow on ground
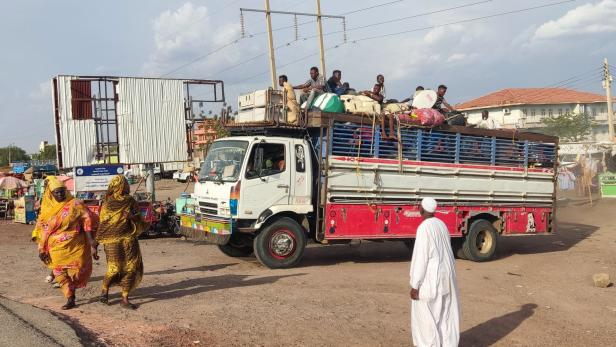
(567,236)
(367,252)
(201,285)
(174,270)
(492,331)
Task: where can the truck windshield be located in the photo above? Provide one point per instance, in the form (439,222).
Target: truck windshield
(223,161)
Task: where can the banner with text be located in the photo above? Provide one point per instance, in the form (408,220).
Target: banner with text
(95,178)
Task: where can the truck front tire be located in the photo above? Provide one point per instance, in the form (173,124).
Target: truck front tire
(480,242)
(280,244)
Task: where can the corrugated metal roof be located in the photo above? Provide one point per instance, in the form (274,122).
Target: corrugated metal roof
(77,137)
(151,120)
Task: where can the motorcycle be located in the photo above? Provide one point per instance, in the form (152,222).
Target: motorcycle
(167,222)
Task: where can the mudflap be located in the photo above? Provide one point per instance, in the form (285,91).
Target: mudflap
(206,230)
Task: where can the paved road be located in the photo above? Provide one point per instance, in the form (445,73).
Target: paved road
(25,325)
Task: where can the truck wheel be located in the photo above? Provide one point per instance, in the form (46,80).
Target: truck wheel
(281,244)
(480,242)
(238,246)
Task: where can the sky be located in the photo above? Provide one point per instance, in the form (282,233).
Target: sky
(472,46)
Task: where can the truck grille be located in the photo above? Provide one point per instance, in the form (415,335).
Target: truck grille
(208,208)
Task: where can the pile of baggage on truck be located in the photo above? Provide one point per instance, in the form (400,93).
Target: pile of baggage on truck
(267,107)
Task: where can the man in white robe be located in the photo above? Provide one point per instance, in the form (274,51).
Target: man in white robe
(435,312)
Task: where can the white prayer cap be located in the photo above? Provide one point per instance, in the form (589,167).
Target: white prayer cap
(428,204)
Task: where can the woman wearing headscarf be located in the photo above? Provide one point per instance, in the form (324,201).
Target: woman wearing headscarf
(64,235)
(119,229)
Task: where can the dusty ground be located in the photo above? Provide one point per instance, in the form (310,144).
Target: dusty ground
(539,292)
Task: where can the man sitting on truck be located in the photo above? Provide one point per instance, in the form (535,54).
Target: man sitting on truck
(292,106)
(335,84)
(312,88)
(378,91)
(440,104)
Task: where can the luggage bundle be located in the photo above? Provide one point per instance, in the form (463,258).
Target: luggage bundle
(397,107)
(427,117)
(360,104)
(328,102)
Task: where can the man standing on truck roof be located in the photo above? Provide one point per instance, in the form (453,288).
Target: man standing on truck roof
(312,88)
(435,312)
(292,106)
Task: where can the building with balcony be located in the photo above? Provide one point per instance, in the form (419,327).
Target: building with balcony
(526,107)
(204,132)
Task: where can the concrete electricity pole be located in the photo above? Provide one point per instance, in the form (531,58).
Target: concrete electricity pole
(268,23)
(607,85)
(320,32)
(270,42)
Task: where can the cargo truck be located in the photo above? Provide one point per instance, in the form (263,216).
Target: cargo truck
(269,189)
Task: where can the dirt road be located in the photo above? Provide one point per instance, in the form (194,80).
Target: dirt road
(539,292)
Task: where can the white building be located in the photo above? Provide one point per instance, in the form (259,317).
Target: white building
(526,107)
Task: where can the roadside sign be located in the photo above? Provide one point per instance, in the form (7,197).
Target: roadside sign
(95,178)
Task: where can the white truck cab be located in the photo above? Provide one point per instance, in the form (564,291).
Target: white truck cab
(248,183)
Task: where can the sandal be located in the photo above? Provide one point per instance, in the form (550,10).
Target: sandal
(128,306)
(104,299)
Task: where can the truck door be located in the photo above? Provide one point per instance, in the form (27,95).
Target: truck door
(267,179)
(301,187)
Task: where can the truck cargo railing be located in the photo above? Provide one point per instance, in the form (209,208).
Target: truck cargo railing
(365,141)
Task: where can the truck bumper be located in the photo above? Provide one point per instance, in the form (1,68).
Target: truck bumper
(201,228)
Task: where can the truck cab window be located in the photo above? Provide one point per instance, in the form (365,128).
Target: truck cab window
(266,159)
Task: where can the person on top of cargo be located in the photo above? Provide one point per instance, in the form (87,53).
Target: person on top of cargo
(378,91)
(312,88)
(335,84)
(440,101)
(417,90)
(292,105)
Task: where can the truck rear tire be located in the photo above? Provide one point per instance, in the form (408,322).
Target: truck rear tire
(238,246)
(280,244)
(480,242)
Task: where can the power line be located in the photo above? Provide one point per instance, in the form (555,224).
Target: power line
(364,26)
(262,33)
(444,25)
(467,20)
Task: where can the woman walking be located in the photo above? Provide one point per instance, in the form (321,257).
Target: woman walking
(65,242)
(119,229)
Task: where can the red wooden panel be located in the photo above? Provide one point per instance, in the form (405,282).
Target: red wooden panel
(81,99)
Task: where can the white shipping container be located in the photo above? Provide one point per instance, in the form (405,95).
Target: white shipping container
(258,98)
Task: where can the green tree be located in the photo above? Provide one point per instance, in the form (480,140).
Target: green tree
(568,127)
(48,153)
(15,153)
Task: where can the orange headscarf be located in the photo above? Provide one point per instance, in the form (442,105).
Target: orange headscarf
(49,205)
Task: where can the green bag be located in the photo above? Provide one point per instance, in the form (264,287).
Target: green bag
(329,102)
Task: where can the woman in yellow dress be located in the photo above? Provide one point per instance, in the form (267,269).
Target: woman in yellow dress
(65,242)
(119,229)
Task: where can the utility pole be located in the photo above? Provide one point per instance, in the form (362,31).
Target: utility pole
(320,32)
(268,12)
(607,85)
(270,42)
